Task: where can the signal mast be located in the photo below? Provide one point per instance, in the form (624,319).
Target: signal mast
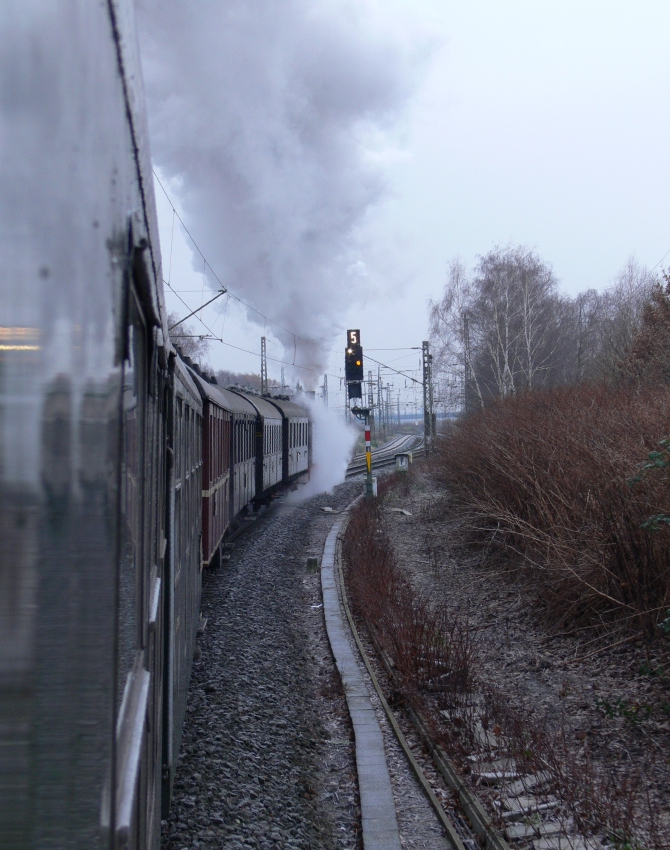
(354,377)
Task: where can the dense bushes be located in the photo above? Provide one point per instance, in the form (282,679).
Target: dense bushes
(427,646)
(434,656)
(547,476)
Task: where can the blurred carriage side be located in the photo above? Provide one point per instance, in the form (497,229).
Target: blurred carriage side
(85,399)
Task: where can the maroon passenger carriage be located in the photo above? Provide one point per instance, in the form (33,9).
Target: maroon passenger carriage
(228,458)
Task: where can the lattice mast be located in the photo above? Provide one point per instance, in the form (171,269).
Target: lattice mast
(264,368)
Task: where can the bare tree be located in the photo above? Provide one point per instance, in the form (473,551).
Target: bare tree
(501,326)
(621,312)
(448,335)
(506,328)
(191,343)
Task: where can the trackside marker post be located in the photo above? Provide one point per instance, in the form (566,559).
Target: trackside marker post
(368,457)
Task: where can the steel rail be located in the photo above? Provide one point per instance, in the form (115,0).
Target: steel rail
(452,835)
(477,817)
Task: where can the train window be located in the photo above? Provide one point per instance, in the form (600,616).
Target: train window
(137,528)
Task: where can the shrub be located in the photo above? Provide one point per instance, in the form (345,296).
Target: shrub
(546,476)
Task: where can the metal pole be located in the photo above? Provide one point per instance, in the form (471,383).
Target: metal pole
(218,295)
(380,402)
(466,364)
(264,368)
(371,401)
(427,412)
(368,458)
(431,404)
(325,390)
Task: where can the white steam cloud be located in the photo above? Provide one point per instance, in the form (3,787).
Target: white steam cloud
(260,111)
(332,444)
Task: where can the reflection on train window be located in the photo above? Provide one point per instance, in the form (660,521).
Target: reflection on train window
(132,483)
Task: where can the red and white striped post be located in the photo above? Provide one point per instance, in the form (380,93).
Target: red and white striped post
(368,457)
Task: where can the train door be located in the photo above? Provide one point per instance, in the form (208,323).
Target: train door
(135,795)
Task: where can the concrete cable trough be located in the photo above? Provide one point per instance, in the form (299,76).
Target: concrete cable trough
(378,815)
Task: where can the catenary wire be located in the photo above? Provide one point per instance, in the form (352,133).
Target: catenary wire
(246,350)
(218,279)
(206,265)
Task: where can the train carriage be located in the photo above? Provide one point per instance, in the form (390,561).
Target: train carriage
(217,427)
(182,559)
(84,403)
(268,444)
(101,448)
(243,451)
(295,439)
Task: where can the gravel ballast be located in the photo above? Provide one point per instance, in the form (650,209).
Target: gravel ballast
(267,757)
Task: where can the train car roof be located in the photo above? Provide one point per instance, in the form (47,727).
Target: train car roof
(262,405)
(236,403)
(188,378)
(223,398)
(289,408)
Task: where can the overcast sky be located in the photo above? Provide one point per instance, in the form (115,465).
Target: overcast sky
(527,122)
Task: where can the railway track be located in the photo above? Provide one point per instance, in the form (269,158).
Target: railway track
(530,809)
(384,456)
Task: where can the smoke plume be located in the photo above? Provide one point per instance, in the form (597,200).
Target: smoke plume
(261,112)
(332,444)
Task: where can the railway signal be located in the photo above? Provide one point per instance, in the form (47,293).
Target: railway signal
(354,377)
(353,364)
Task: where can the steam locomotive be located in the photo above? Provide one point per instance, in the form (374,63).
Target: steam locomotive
(122,467)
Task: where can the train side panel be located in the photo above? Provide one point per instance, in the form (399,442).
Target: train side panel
(242,453)
(267,444)
(183,561)
(83,401)
(295,438)
(216,486)
(216,476)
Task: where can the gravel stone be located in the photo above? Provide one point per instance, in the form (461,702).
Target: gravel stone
(267,755)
